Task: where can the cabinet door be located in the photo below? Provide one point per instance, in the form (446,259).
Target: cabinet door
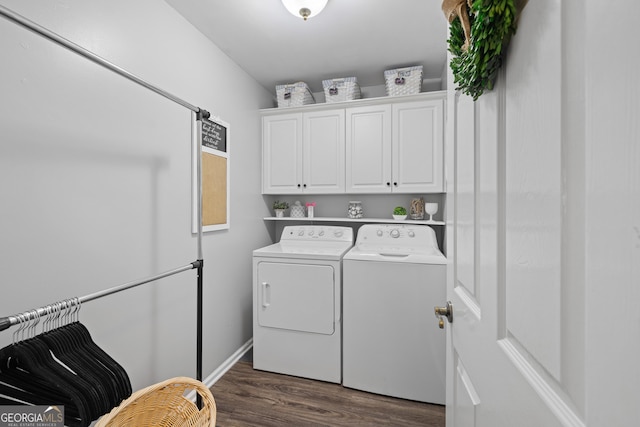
(368,158)
(282,154)
(323,152)
(418,147)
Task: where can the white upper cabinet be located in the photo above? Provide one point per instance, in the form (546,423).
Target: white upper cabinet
(303,153)
(382,145)
(395,148)
(323,152)
(282,154)
(369,149)
(417,155)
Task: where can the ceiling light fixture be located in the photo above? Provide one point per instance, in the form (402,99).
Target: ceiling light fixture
(304,8)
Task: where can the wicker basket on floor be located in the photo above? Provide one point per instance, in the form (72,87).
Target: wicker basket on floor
(164,404)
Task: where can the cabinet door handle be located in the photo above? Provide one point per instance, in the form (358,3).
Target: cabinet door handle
(388,184)
(395,184)
(304,185)
(298,185)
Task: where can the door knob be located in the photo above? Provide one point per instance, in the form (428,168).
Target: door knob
(442,312)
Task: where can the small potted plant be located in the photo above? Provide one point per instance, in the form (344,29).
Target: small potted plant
(279,208)
(399,213)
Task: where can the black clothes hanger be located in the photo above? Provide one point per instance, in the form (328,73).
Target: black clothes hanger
(98,361)
(48,368)
(94,393)
(72,345)
(69,345)
(82,376)
(60,343)
(99,355)
(14,396)
(23,366)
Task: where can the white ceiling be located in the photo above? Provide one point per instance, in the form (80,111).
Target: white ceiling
(360,38)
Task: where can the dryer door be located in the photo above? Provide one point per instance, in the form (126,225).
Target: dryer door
(298,297)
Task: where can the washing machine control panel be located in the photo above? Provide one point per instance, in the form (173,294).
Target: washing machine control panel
(396,234)
(383,233)
(317,233)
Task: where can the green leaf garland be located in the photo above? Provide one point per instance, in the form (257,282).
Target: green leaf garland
(492,24)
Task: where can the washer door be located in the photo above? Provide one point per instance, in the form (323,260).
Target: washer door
(298,297)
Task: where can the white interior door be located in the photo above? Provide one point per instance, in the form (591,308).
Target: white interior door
(543,214)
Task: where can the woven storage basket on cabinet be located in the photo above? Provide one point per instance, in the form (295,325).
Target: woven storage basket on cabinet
(294,95)
(344,89)
(164,404)
(403,81)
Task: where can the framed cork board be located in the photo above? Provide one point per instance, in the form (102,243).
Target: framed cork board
(215,176)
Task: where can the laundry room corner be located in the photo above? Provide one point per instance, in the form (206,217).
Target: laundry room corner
(95,176)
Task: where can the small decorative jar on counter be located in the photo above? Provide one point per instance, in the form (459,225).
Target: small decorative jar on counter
(310,207)
(355,209)
(297,210)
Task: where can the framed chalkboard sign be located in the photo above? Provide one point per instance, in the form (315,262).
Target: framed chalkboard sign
(215,175)
(214,135)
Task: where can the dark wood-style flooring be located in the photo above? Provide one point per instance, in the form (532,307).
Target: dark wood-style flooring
(247,397)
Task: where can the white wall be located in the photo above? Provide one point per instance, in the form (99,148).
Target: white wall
(95,180)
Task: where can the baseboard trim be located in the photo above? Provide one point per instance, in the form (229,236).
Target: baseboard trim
(227,364)
(223,368)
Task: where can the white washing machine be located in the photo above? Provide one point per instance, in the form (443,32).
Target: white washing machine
(297,286)
(392,345)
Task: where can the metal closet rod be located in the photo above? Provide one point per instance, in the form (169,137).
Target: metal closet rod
(21,20)
(7,322)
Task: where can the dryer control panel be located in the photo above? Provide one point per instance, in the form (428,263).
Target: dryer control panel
(317,233)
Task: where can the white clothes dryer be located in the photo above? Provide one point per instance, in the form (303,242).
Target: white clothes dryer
(297,310)
(393,277)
